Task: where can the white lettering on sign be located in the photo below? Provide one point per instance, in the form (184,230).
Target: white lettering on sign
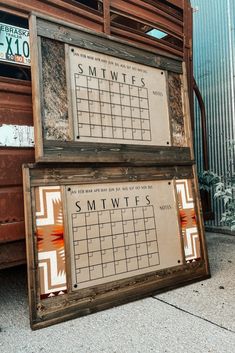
(117,101)
(14,44)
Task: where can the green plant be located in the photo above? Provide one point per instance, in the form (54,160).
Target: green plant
(225,191)
(222,188)
(207,180)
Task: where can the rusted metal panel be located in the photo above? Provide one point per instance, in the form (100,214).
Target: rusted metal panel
(15,102)
(15,86)
(71,12)
(149,13)
(178,3)
(12,254)
(11,161)
(173,8)
(9,115)
(11,204)
(145,41)
(12,232)
(15,108)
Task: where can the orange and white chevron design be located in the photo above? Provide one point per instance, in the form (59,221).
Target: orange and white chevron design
(48,197)
(50,241)
(188,220)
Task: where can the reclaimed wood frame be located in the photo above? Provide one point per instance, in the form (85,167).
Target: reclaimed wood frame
(74,304)
(75,151)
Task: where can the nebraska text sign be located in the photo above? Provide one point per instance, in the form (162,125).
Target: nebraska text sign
(14,44)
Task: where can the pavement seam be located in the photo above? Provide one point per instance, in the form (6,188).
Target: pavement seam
(188,312)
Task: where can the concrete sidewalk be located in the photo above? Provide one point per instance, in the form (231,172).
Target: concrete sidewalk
(197,318)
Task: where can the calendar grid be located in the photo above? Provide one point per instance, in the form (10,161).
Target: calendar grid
(111,110)
(111,242)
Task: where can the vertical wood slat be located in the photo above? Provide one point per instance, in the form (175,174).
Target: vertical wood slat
(30,248)
(36,70)
(106,14)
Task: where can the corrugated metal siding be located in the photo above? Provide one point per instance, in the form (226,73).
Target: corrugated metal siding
(214,63)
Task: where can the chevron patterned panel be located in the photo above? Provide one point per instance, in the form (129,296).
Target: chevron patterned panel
(50,241)
(188,220)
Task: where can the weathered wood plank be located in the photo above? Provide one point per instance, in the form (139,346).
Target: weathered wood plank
(102,44)
(36,69)
(119,296)
(199,215)
(85,152)
(66,174)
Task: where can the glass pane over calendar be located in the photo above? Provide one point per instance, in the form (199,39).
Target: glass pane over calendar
(118,231)
(117,101)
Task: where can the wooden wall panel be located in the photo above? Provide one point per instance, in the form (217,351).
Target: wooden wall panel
(15,110)
(15,102)
(11,204)
(59,9)
(11,160)
(150,13)
(10,232)
(12,254)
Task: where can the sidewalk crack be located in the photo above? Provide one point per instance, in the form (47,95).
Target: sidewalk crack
(188,312)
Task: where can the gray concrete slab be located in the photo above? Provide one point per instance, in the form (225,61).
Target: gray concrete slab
(213,299)
(151,325)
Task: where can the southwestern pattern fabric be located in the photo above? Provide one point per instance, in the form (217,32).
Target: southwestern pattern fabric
(188,220)
(50,241)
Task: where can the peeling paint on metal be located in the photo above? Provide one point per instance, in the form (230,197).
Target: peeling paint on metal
(16,136)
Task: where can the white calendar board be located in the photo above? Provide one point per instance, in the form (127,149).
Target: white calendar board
(117,101)
(120,230)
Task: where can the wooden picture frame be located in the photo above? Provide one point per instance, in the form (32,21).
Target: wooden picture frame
(67,130)
(59,288)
